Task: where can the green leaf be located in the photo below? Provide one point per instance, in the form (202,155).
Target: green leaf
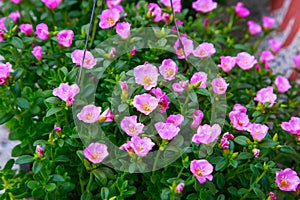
(241,140)
(17,42)
(37,166)
(203,91)
(57,178)
(62,158)
(22,103)
(50,187)
(288,149)
(9,23)
(52,100)
(17,73)
(33,184)
(256,113)
(234,163)
(25,159)
(268,144)
(259,193)
(221,164)
(244,156)
(52,111)
(6,117)
(221,197)
(86,196)
(100,175)
(104,193)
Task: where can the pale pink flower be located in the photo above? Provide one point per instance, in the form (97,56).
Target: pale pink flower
(166,131)
(272,196)
(207,134)
(155,11)
(287,180)
(183,47)
(109,18)
(65,38)
(89,114)
(113,3)
(37,52)
(164,102)
(179,188)
(123,29)
(179,87)
(132,51)
(57,129)
(239,108)
(145,103)
(124,88)
(199,78)
(204,50)
(131,127)
(266,95)
(239,120)
(40,151)
(197,118)
(168,69)
(245,61)
(26,28)
(258,131)
(292,126)
(41,31)
(176,4)
(89,60)
(253,27)
(256,152)
(204,6)
(268,22)
(219,85)
(266,56)
(241,11)
(175,119)
(146,75)
(52,4)
(296,60)
(96,152)
(66,92)
(227,63)
(14,15)
(202,169)
(282,84)
(139,146)
(112,52)
(5,69)
(275,45)
(16,1)
(106,116)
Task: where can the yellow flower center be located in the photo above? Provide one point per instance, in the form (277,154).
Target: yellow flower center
(170,72)
(95,156)
(284,183)
(199,172)
(202,52)
(180,51)
(110,21)
(139,148)
(89,116)
(132,129)
(146,107)
(147,80)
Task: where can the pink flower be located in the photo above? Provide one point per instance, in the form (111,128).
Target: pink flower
(166,17)
(95,152)
(14,16)
(268,22)
(265,95)
(37,52)
(256,152)
(145,103)
(258,131)
(239,120)
(207,134)
(266,56)
(139,146)
(113,3)
(40,151)
(282,84)
(245,61)
(89,114)
(204,50)
(199,78)
(51,4)
(175,119)
(66,92)
(296,60)
(26,28)
(57,129)
(5,69)
(131,127)
(292,126)
(16,1)
(168,69)
(124,88)
(275,45)
(227,63)
(89,60)
(179,188)
(224,141)
(65,38)
(287,180)
(241,11)
(106,116)
(197,118)
(176,4)
(166,131)
(132,51)
(109,18)
(1,36)
(112,52)
(228,136)
(272,196)
(219,85)
(2,24)
(155,11)
(146,75)
(253,27)
(123,29)
(164,102)
(41,31)
(179,87)
(202,169)
(183,47)
(239,108)
(204,6)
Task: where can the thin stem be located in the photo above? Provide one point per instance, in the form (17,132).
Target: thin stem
(90,182)
(251,187)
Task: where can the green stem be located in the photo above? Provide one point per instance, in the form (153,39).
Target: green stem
(88,187)
(251,187)
(180,172)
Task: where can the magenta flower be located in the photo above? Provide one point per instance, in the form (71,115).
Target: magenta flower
(96,152)
(207,134)
(112,52)
(275,45)
(239,120)
(256,152)
(139,146)
(166,131)
(168,69)
(57,129)
(204,6)
(219,85)
(179,87)
(241,11)
(197,118)
(265,95)
(176,4)
(164,102)
(109,18)
(268,22)
(204,50)
(2,24)
(183,47)
(253,27)
(296,60)
(145,103)
(52,4)
(123,29)
(228,136)
(5,69)
(89,114)
(287,180)
(89,60)
(225,140)
(175,119)
(26,28)
(155,11)
(66,92)
(1,36)
(166,17)
(37,52)
(258,131)
(227,63)
(266,56)
(282,84)
(146,75)
(179,188)
(106,116)
(199,78)
(292,126)
(202,169)
(124,88)
(272,196)
(65,38)
(113,3)
(245,61)
(16,1)
(14,16)
(131,127)
(40,151)
(239,108)
(132,51)
(41,31)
